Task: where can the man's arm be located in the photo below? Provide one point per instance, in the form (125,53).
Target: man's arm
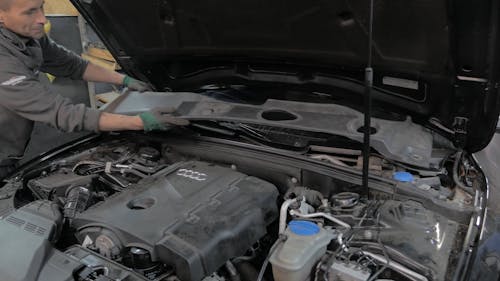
(60,61)
(159,118)
(22,93)
(95,73)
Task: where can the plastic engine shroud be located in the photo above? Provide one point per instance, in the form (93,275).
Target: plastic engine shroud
(192,215)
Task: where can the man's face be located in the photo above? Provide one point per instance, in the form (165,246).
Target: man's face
(24,17)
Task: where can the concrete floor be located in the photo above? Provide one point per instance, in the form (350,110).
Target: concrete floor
(65,32)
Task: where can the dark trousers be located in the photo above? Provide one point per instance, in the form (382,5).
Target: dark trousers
(7,167)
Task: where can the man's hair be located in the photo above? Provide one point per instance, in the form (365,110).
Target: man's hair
(5,4)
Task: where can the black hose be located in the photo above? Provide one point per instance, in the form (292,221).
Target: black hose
(382,269)
(393,254)
(234,275)
(280,240)
(247,271)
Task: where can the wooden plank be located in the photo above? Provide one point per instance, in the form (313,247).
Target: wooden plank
(100,53)
(103,63)
(107,97)
(59,7)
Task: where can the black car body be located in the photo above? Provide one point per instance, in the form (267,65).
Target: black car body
(266,181)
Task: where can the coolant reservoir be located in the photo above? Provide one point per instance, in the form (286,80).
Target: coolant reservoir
(294,259)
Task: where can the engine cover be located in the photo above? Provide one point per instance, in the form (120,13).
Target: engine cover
(193,216)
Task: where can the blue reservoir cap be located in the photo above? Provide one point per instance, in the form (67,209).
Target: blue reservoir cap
(403,176)
(303,228)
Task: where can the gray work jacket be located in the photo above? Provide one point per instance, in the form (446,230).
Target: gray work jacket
(24,99)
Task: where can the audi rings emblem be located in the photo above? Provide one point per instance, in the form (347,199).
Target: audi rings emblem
(190,174)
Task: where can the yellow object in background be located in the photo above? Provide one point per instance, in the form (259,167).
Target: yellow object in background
(50,77)
(47,27)
(100,62)
(59,7)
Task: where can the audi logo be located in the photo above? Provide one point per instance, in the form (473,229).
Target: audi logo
(190,174)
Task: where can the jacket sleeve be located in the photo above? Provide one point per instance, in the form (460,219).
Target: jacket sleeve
(22,93)
(61,62)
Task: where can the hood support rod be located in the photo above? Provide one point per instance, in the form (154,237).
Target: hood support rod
(368,103)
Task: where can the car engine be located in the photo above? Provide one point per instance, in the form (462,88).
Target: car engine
(195,214)
(153,210)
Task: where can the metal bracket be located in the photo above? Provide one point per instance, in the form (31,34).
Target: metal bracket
(460,125)
(85,41)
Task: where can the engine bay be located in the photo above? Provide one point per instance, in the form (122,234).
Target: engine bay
(122,208)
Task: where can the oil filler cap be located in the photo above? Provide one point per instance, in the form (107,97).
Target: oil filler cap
(403,176)
(303,228)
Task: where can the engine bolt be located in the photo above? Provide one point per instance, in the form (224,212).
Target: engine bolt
(294,180)
(368,234)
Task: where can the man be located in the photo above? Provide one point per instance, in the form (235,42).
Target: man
(24,51)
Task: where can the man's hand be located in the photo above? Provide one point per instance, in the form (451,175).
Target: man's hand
(136,85)
(161,118)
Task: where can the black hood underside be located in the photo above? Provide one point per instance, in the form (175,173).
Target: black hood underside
(431,59)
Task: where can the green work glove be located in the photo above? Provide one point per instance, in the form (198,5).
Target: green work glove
(136,85)
(161,118)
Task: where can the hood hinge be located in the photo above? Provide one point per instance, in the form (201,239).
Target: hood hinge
(460,125)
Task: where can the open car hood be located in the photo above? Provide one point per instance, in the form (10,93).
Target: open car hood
(432,60)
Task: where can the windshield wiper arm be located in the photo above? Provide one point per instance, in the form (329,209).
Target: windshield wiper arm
(214,129)
(254,132)
(265,135)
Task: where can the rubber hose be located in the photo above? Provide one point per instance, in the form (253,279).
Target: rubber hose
(247,271)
